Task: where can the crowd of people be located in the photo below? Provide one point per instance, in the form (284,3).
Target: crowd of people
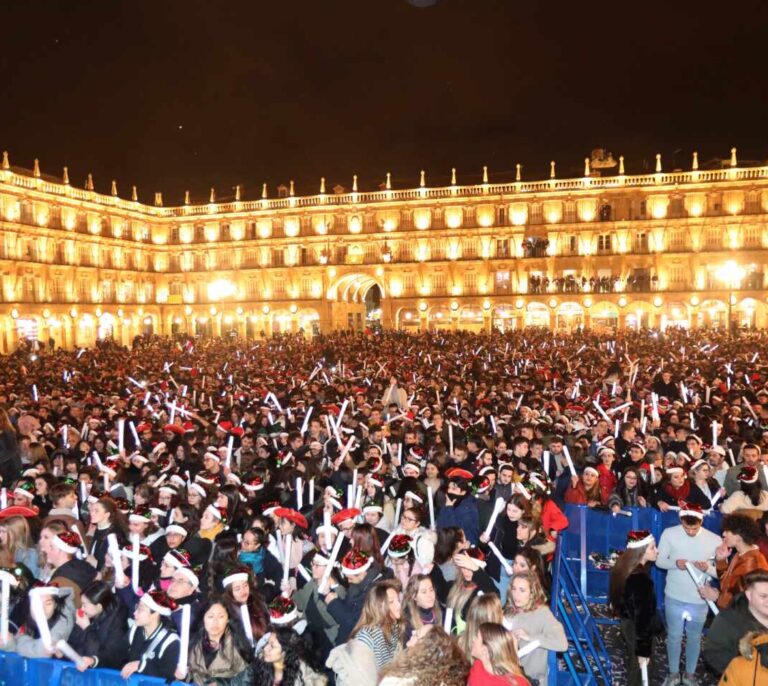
(378,508)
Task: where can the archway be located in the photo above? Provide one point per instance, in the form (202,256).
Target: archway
(354,288)
(372,301)
(604,316)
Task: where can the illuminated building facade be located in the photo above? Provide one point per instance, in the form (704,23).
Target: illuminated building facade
(601,250)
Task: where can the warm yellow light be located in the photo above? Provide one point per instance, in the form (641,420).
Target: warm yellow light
(587,302)
(239,311)
(519,303)
(454,305)
(453,217)
(486,304)
(15,313)
(265,309)
(553,303)
(731,274)
(177,320)
(622,301)
(379,271)
(228,319)
(408,315)
(221,289)
(147,320)
(695,209)
(423,306)
(188,310)
(73,313)
(293,308)
(694,300)
(396,287)
(422,219)
(212,310)
(658,301)
(355,225)
(291,227)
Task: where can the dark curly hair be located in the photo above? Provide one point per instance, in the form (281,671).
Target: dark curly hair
(295,653)
(741,525)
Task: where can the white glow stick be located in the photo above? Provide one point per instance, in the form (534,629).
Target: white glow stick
(350,495)
(714,500)
(312,491)
(546,462)
(245,618)
(7,580)
(714,434)
(135,562)
(69,652)
(65,435)
(431,499)
(358,498)
(502,561)
(528,648)
(327,529)
(450,439)
(287,546)
(331,562)
(448,620)
(699,582)
(117,560)
(135,435)
(299,493)
(279,541)
(34,392)
(644,673)
(38,614)
(569,460)
(385,545)
(601,411)
(304,573)
(120,435)
(616,429)
(230,445)
(498,507)
(186,618)
(398,506)
(306,419)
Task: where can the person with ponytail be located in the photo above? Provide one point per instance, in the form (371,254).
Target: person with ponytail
(633,598)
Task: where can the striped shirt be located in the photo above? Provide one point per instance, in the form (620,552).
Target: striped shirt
(383,650)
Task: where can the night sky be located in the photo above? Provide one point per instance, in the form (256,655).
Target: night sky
(193,94)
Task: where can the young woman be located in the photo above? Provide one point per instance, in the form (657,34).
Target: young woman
(703,486)
(530,535)
(585,490)
(101,628)
(530,560)
(471,581)
(740,535)
(239,590)
(16,544)
(495,658)
(420,605)
(505,539)
(105,519)
(379,628)
(607,474)
(749,497)
(219,652)
(59,609)
(529,618)
(265,566)
(284,660)
(631,491)
(212,522)
(432,658)
(633,598)
(483,609)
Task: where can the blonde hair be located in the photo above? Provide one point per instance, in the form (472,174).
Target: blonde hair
(484,609)
(19,535)
(537,599)
(410,605)
(460,593)
(376,609)
(502,653)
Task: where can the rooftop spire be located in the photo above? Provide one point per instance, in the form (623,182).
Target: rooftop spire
(658,163)
(36,170)
(212,198)
(518,171)
(421,179)
(291,191)
(6,163)
(186,197)
(114,188)
(354,183)
(134,194)
(158,199)
(552,169)
(89,183)
(237,193)
(453,176)
(322,185)
(485,174)
(586,166)
(65,177)
(621,165)
(389,181)
(695,163)
(264,191)
(733,157)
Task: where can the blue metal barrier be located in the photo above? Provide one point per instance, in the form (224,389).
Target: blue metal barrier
(577,584)
(20,671)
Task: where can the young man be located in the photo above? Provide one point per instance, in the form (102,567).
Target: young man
(153,647)
(690,543)
(68,571)
(460,506)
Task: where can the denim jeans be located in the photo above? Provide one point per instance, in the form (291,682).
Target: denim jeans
(503,583)
(676,625)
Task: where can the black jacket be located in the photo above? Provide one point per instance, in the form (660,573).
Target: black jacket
(722,642)
(157,654)
(10,459)
(99,543)
(104,638)
(346,611)
(639,606)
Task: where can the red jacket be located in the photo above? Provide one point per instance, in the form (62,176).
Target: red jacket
(552,519)
(480,676)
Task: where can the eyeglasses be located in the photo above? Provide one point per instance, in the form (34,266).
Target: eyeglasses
(413,520)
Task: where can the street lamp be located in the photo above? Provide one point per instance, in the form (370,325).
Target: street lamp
(731,274)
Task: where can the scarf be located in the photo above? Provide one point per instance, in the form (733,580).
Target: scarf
(254,559)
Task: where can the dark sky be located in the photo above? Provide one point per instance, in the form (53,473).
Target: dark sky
(172,95)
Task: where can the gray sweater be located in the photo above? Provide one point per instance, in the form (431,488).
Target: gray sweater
(542,626)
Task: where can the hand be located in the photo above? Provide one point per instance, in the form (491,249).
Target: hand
(330,597)
(484,538)
(722,552)
(643,661)
(124,583)
(521,634)
(180,674)
(449,501)
(466,562)
(129,669)
(642,501)
(701,565)
(574,481)
(680,564)
(81,619)
(617,508)
(287,588)
(85,663)
(709,592)
(663,506)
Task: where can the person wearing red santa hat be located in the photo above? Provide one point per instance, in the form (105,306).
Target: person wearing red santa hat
(153,642)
